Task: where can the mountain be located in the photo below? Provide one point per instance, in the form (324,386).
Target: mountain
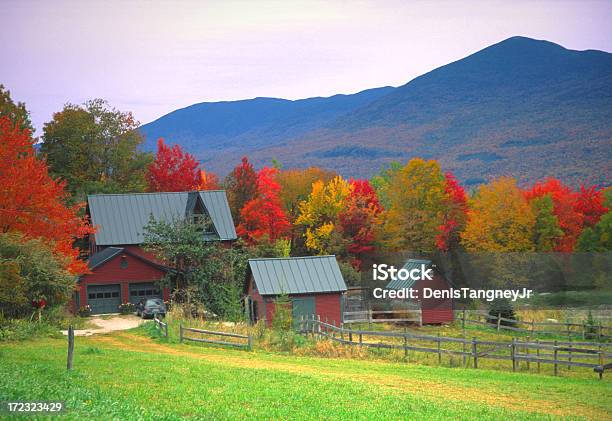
(522,107)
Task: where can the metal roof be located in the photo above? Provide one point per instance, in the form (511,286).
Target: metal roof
(398,284)
(103,256)
(121,218)
(297,275)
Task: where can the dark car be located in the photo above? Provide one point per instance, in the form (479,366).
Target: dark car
(151,307)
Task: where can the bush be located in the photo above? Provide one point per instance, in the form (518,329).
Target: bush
(84,311)
(22,329)
(127,308)
(502,307)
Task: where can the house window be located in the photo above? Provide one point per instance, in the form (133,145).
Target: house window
(124,263)
(92,296)
(204,222)
(115,294)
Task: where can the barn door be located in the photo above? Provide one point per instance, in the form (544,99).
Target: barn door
(302,307)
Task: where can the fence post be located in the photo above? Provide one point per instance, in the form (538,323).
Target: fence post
(405,343)
(342,331)
(513,353)
(569,354)
(533,327)
(601,363)
(319,325)
(527,352)
(498,321)
(538,353)
(599,333)
(312,327)
(583,331)
(181,332)
(463,322)
(370,319)
(250,343)
(475,352)
(555,359)
(464,352)
(70,347)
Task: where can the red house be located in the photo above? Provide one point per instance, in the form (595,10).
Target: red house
(121,271)
(313,284)
(433,310)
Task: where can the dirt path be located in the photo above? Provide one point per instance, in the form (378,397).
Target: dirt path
(394,384)
(109,324)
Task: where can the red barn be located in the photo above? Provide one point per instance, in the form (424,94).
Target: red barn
(314,285)
(121,271)
(433,310)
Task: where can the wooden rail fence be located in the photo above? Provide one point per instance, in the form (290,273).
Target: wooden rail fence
(246,345)
(386,316)
(556,353)
(162,326)
(580,330)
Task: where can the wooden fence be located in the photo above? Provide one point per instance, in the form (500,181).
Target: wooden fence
(571,330)
(208,333)
(163,327)
(569,354)
(388,316)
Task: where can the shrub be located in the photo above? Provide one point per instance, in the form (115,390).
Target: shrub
(84,311)
(502,307)
(127,308)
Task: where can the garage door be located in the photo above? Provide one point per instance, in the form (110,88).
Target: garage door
(104,298)
(143,291)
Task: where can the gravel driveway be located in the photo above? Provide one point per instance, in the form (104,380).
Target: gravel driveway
(109,324)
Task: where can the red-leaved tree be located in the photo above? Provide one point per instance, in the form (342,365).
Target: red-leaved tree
(262,218)
(208,181)
(241,187)
(566,209)
(358,218)
(590,204)
(455,214)
(32,202)
(172,170)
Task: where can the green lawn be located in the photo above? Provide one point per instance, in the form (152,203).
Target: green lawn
(129,376)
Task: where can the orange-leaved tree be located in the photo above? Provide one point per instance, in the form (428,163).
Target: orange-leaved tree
(32,202)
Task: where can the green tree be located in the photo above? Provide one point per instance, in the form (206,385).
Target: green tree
(546,229)
(216,274)
(30,270)
(95,149)
(16,112)
(598,238)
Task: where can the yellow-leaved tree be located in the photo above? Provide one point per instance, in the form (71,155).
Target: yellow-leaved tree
(417,199)
(500,219)
(319,214)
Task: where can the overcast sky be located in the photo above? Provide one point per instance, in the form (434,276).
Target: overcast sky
(154,57)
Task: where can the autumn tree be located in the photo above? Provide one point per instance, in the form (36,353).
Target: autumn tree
(417,197)
(590,203)
(208,181)
(546,231)
(499,219)
(566,209)
(296,185)
(380,181)
(172,170)
(16,112)
(262,218)
(241,186)
(95,149)
(357,220)
(32,202)
(319,215)
(454,214)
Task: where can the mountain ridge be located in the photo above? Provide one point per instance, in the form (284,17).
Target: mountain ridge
(520,107)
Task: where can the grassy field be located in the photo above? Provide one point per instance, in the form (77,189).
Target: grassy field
(127,375)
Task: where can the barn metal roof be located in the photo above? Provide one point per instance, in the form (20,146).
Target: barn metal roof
(121,218)
(398,284)
(297,275)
